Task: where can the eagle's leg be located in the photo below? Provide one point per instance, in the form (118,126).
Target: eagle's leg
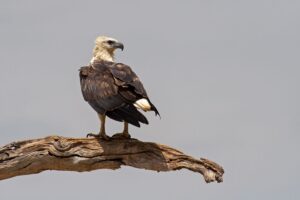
(102,133)
(124,134)
(125,131)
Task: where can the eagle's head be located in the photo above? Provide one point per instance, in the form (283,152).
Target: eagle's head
(105,47)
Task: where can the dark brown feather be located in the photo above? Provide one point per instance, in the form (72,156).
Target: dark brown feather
(112,89)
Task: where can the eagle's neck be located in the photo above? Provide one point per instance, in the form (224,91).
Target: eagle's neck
(102,54)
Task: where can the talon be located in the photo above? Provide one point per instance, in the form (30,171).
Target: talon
(92,135)
(98,136)
(104,137)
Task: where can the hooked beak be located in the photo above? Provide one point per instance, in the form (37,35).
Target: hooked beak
(118,45)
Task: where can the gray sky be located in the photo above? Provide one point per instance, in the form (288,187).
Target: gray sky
(224,74)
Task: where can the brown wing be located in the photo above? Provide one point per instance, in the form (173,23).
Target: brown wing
(99,89)
(112,89)
(130,86)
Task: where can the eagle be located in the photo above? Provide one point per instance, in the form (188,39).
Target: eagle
(113,89)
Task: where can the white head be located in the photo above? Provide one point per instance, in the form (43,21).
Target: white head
(105,47)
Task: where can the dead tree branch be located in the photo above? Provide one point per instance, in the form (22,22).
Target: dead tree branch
(87,154)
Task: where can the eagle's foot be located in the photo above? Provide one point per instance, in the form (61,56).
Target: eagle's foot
(122,136)
(98,136)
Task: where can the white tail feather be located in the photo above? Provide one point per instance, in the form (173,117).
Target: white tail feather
(143,104)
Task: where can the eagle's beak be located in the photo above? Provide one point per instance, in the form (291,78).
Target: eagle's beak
(118,45)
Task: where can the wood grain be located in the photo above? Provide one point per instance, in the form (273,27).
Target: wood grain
(87,154)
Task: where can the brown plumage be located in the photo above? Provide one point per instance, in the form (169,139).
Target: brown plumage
(113,89)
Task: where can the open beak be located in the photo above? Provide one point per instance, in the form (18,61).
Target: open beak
(118,45)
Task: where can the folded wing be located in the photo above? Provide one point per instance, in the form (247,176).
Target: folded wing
(113,89)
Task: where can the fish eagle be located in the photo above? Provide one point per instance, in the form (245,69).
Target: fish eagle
(113,89)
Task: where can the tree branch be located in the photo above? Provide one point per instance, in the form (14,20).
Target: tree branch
(87,154)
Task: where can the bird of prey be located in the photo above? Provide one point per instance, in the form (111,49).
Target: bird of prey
(113,89)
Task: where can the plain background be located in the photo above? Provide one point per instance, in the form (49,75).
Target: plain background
(223,74)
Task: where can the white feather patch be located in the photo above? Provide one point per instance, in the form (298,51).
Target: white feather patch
(143,104)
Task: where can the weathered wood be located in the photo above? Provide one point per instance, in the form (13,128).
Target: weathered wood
(87,154)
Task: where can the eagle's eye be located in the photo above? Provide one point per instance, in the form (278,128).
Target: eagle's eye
(110,42)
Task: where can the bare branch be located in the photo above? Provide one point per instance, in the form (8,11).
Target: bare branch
(87,154)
